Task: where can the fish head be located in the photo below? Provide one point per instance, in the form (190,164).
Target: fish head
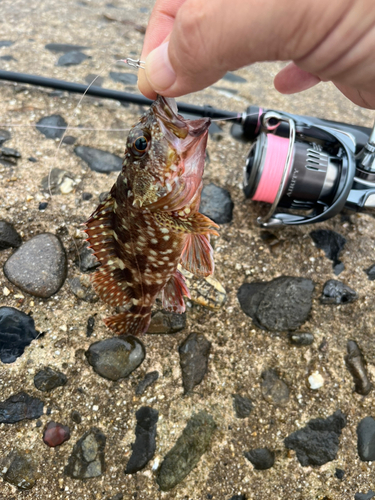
(162,150)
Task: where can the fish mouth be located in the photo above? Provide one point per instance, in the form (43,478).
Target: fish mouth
(165,109)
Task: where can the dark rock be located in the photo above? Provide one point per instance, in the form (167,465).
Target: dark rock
(86,196)
(32,159)
(8,236)
(98,160)
(167,322)
(103,196)
(42,206)
(90,326)
(186,453)
(274,390)
(216,134)
(261,458)
(64,47)
(364,496)
(127,78)
(371,272)
(4,136)
(48,379)
(238,497)
(17,331)
(366,439)
(336,292)
(356,364)
(118,496)
(39,266)
(6,43)
(69,140)
(55,434)
(9,156)
(53,126)
(318,442)
(38,424)
(281,304)
(99,80)
(72,58)
(332,243)
(7,58)
(194,352)
(76,416)
(339,473)
(86,260)
(52,182)
(19,407)
(301,338)
(87,458)
(149,379)
(216,204)
(83,290)
(19,469)
(116,357)
(232,77)
(145,435)
(242,406)
(10,152)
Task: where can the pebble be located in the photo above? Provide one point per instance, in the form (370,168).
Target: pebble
(99,80)
(186,453)
(4,136)
(86,196)
(98,160)
(88,456)
(242,406)
(194,353)
(67,186)
(238,497)
(76,417)
(167,322)
(83,289)
(145,439)
(118,496)
(149,379)
(72,58)
(232,77)
(90,326)
(339,473)
(336,292)
(9,238)
(116,357)
(281,304)
(261,458)
(217,204)
(19,469)
(332,243)
(19,407)
(318,442)
(55,434)
(64,47)
(42,206)
(356,364)
(371,272)
(364,496)
(17,331)
(48,379)
(86,260)
(274,390)
(7,58)
(207,292)
(47,124)
(127,78)
(316,381)
(301,338)
(9,156)
(39,266)
(366,439)
(51,183)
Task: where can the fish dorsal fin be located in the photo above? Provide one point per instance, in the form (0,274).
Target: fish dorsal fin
(197,255)
(173,292)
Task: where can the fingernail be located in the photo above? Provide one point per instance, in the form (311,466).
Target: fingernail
(159,70)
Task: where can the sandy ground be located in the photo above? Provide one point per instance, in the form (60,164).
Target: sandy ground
(239,351)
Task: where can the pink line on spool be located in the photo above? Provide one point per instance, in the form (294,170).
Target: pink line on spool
(277,150)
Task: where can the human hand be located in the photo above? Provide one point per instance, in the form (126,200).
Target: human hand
(191,44)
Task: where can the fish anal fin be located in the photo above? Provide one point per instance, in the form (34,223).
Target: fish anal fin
(173,292)
(197,255)
(133,322)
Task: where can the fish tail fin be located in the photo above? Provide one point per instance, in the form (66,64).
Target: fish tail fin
(173,292)
(197,255)
(132,322)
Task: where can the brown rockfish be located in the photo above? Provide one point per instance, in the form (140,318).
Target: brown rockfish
(149,223)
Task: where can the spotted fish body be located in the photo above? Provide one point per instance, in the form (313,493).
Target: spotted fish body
(149,223)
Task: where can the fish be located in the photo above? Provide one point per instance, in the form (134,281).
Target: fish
(149,223)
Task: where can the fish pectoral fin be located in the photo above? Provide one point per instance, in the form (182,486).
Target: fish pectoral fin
(201,224)
(197,255)
(173,292)
(132,322)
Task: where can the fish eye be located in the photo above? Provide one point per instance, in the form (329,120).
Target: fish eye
(141,143)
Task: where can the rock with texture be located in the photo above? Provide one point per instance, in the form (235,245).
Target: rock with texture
(274,390)
(281,304)
(364,496)
(261,458)
(19,469)
(242,406)
(149,379)
(83,289)
(39,266)
(19,407)
(48,379)
(337,293)
(216,204)
(86,260)
(52,127)
(116,357)
(167,322)
(17,331)
(72,58)
(88,456)
(145,436)
(63,47)
(332,243)
(366,439)
(194,352)
(122,77)
(9,238)
(98,160)
(356,364)
(301,338)
(318,442)
(186,453)
(5,135)
(55,434)
(207,292)
(56,181)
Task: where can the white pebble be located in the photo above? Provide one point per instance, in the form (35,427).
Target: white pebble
(316,381)
(6,291)
(67,186)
